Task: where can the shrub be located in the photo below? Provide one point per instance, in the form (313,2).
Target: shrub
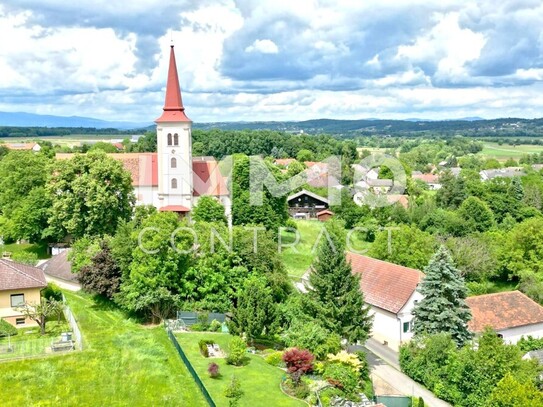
(348,359)
(236,352)
(233,391)
(342,377)
(202,320)
(26,258)
(298,362)
(274,359)
(215,326)
(197,327)
(6,328)
(301,391)
(312,336)
(52,291)
(202,344)
(421,402)
(213,370)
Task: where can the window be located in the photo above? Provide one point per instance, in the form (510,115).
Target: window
(19,321)
(175,139)
(169,139)
(174,162)
(17,300)
(174,183)
(406,327)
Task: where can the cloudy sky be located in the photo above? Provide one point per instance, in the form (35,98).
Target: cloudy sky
(274,59)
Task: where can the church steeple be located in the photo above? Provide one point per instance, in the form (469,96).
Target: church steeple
(173,105)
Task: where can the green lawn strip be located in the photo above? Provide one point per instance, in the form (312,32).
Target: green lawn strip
(297,263)
(39,249)
(123,364)
(505,151)
(259,380)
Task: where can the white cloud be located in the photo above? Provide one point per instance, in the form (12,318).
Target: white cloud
(263,46)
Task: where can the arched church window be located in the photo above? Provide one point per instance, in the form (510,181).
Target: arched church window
(176,139)
(174,162)
(174,183)
(169,139)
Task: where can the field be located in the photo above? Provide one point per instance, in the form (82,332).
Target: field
(123,363)
(505,151)
(70,141)
(259,380)
(298,258)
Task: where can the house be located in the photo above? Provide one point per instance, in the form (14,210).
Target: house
(376,186)
(366,198)
(172,179)
(58,270)
(24,146)
(432,180)
(511,314)
(284,162)
(508,172)
(19,284)
(306,204)
(324,215)
(391,292)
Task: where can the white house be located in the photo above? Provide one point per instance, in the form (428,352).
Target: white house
(172,179)
(390,291)
(511,314)
(24,146)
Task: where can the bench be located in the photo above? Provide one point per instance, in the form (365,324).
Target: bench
(62,346)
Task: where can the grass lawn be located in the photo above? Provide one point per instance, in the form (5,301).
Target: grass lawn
(297,263)
(29,342)
(259,381)
(39,250)
(505,151)
(123,364)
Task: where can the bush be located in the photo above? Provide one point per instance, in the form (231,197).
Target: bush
(52,291)
(197,327)
(213,370)
(233,391)
(202,344)
(6,328)
(298,362)
(236,352)
(274,359)
(215,326)
(342,377)
(202,320)
(25,258)
(301,391)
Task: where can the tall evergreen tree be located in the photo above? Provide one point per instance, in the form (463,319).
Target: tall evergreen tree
(443,308)
(339,303)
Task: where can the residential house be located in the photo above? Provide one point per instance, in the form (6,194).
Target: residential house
(432,180)
(508,172)
(58,270)
(306,204)
(19,284)
(511,314)
(391,292)
(284,162)
(324,215)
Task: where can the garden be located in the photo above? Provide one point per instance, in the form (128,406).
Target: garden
(262,375)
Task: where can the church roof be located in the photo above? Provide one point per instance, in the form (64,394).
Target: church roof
(174,110)
(143,167)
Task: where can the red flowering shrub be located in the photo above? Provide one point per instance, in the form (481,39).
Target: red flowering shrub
(298,362)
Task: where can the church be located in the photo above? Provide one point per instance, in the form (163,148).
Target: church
(172,179)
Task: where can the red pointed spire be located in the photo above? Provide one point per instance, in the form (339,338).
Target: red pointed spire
(173,105)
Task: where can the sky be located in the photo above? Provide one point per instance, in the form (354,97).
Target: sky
(248,60)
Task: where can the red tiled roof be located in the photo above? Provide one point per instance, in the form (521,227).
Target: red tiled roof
(16,276)
(143,167)
(174,208)
(325,212)
(385,285)
(428,178)
(284,161)
(503,310)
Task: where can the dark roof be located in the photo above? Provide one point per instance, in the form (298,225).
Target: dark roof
(308,193)
(15,276)
(503,310)
(385,285)
(59,267)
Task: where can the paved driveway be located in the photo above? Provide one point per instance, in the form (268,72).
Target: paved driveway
(389,380)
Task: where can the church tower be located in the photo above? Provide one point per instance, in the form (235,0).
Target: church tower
(174,149)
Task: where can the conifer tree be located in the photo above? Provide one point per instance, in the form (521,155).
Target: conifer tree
(339,303)
(443,308)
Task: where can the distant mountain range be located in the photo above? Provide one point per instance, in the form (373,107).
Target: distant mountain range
(469,126)
(20,119)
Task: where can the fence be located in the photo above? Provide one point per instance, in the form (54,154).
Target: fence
(73,324)
(191,370)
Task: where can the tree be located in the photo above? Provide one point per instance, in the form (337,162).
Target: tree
(336,290)
(516,190)
(452,191)
(304,155)
(477,213)
(91,194)
(298,362)
(30,218)
(103,275)
(208,209)
(236,351)
(443,308)
(41,311)
(255,312)
(233,392)
(511,393)
(404,245)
